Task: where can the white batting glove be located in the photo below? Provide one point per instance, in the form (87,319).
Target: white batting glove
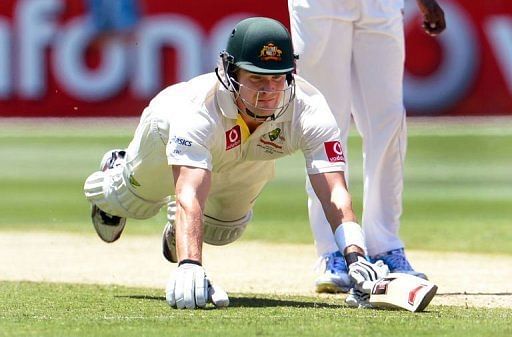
(358,299)
(190,288)
(217,296)
(364,274)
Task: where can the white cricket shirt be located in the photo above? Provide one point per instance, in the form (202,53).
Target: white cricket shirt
(205,132)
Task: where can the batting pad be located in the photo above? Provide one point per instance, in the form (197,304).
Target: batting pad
(109,191)
(219,233)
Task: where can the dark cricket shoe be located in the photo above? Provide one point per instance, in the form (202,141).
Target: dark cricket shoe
(169,243)
(108,227)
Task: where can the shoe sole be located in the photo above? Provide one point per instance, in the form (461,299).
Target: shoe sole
(169,256)
(98,228)
(95,209)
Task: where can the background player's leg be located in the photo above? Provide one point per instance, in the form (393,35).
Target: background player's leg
(380,118)
(323,42)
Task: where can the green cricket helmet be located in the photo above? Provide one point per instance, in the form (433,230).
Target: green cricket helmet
(262,46)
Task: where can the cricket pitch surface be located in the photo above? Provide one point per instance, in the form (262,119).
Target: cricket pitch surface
(470,280)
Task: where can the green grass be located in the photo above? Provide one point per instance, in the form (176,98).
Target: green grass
(41,309)
(458,185)
(458,192)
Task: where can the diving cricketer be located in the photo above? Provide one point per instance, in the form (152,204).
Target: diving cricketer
(206,148)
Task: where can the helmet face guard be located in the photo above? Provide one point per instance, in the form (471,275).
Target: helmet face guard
(261,46)
(285,95)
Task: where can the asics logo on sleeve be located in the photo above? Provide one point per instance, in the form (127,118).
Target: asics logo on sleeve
(334,152)
(181,141)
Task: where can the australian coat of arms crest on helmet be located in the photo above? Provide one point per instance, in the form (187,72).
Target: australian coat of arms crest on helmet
(270,52)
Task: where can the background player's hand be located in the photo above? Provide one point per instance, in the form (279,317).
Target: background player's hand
(364,273)
(190,288)
(433,17)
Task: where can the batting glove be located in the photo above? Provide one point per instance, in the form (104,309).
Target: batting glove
(358,299)
(190,288)
(364,274)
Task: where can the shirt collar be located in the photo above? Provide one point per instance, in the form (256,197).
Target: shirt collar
(225,102)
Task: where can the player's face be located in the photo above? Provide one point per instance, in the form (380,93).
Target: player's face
(262,94)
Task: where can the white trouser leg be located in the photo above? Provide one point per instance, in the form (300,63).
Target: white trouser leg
(330,37)
(141,185)
(378,56)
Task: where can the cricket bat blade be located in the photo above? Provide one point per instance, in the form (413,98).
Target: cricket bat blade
(404,291)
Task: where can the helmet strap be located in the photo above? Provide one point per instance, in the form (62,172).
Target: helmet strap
(257,117)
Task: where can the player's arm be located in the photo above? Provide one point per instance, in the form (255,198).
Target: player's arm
(331,189)
(336,201)
(189,287)
(323,152)
(433,17)
(192,185)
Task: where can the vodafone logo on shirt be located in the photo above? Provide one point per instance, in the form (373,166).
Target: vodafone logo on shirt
(233,137)
(334,152)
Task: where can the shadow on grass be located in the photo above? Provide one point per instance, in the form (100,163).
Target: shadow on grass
(254,302)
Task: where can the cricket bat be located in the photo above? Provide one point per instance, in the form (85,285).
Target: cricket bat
(404,291)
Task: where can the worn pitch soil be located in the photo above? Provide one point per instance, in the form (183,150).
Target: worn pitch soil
(469,280)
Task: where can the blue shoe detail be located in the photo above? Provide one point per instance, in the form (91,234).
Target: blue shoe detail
(397,262)
(335,263)
(335,278)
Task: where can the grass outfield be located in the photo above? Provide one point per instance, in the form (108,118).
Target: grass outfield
(458,185)
(31,309)
(457,197)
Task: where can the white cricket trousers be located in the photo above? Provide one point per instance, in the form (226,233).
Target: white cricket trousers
(353,52)
(143,184)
